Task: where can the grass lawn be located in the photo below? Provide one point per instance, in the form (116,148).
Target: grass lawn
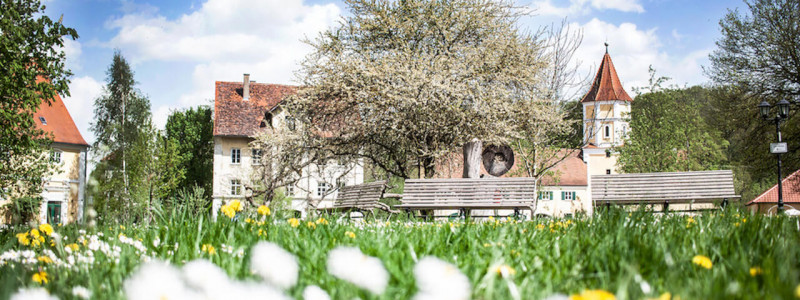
(638,255)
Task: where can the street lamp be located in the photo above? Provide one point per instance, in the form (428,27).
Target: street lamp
(779,147)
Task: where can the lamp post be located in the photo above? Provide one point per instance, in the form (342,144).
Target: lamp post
(780,147)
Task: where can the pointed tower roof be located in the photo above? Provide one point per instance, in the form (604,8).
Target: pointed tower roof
(606,85)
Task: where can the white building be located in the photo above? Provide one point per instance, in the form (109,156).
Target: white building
(243,109)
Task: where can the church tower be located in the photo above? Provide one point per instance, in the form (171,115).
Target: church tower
(605,109)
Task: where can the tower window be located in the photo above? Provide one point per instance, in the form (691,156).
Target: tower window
(608,171)
(608,153)
(607,131)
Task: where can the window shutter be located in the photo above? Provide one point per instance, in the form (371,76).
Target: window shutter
(563,195)
(551,195)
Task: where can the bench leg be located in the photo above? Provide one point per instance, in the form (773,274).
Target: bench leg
(516,213)
(666,206)
(724,203)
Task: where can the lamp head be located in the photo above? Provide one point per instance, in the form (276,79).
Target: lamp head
(764,109)
(783,108)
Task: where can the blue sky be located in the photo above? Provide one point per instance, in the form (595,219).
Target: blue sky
(179,48)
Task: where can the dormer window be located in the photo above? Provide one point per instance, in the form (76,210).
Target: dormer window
(41,119)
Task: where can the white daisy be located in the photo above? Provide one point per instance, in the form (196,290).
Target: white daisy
(81,292)
(275,265)
(313,292)
(437,279)
(32,294)
(205,277)
(157,280)
(350,264)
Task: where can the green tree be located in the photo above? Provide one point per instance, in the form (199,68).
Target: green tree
(123,131)
(32,73)
(191,132)
(668,133)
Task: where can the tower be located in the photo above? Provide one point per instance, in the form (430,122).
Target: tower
(605,109)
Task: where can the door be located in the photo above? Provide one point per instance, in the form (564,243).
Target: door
(54,212)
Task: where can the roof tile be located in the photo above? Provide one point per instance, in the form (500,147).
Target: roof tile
(234,116)
(606,85)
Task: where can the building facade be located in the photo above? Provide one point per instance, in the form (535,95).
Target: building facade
(241,111)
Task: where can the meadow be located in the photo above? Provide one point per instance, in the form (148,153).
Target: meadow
(614,254)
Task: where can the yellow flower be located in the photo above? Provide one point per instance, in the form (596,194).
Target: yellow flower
(702,261)
(122,227)
(40,278)
(311,225)
(46,228)
(228,211)
(504,270)
(593,295)
(263,210)
(294,222)
(664,296)
(44,259)
(322,221)
(248,220)
(797,291)
(755,271)
(540,226)
(236,205)
(262,232)
(23,239)
(73,246)
(210,249)
(35,233)
(350,234)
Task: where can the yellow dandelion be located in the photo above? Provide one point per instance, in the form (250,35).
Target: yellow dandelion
(664,296)
(46,228)
(504,270)
(322,221)
(23,239)
(44,259)
(40,277)
(264,210)
(122,227)
(350,234)
(797,291)
(236,205)
(593,295)
(73,246)
(248,220)
(540,226)
(755,271)
(209,249)
(262,232)
(702,261)
(294,222)
(35,233)
(311,225)
(228,211)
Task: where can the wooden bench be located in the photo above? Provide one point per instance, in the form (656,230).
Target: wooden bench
(465,194)
(663,188)
(361,197)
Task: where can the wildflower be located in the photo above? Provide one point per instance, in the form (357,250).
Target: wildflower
(46,228)
(350,264)
(755,271)
(81,292)
(73,247)
(122,227)
(313,292)
(322,221)
(45,259)
(236,205)
(664,296)
(40,277)
(23,239)
(263,210)
(228,211)
(350,234)
(294,222)
(262,232)
(504,270)
(702,261)
(32,293)
(206,277)
(797,291)
(689,222)
(275,265)
(210,249)
(593,295)
(157,280)
(248,220)
(437,279)
(311,225)
(540,226)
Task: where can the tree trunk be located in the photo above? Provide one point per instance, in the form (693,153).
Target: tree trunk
(472,159)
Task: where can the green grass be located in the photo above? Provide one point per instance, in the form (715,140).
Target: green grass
(617,251)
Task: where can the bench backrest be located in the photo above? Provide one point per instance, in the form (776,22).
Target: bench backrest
(674,187)
(361,196)
(455,191)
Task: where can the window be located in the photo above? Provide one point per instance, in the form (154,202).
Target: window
(236,187)
(608,171)
(236,155)
(545,195)
(606,131)
(567,196)
(41,119)
(340,182)
(323,188)
(53,212)
(55,156)
(608,153)
(290,190)
(256,156)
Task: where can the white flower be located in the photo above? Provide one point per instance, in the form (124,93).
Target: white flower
(277,266)
(313,292)
(557,297)
(32,294)
(157,280)
(253,290)
(437,279)
(206,277)
(364,271)
(81,292)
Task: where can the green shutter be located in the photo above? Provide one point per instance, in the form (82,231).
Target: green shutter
(551,195)
(563,195)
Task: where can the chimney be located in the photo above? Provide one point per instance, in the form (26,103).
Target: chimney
(246,87)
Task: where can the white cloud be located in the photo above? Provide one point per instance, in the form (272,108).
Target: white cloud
(72,50)
(584,7)
(223,39)
(633,50)
(80,103)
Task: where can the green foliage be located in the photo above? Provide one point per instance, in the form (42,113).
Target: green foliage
(191,131)
(634,255)
(668,133)
(32,73)
(23,209)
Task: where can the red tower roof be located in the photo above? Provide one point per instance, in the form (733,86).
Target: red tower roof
(606,85)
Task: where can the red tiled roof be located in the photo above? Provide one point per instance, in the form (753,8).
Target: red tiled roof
(569,172)
(234,116)
(791,191)
(59,122)
(606,85)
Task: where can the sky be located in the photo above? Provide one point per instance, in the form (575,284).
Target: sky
(179,48)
